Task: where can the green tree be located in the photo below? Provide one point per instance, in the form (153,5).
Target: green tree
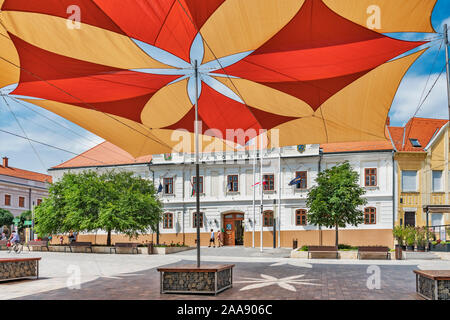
(6,217)
(336,199)
(24,216)
(86,202)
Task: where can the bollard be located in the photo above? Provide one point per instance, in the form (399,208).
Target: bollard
(150,248)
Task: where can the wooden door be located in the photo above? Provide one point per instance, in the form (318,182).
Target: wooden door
(410,219)
(228,223)
(233,234)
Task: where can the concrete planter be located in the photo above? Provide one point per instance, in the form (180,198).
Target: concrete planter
(169,250)
(346,255)
(299,254)
(95,249)
(440,247)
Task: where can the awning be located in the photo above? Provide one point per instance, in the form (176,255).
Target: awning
(437,208)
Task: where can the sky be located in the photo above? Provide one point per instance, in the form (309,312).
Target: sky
(41,125)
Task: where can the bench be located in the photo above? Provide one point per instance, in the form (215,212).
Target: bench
(3,243)
(133,246)
(19,268)
(323,249)
(376,250)
(433,284)
(41,244)
(86,245)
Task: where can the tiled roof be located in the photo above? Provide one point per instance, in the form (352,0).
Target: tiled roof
(24,174)
(104,154)
(357,146)
(397,136)
(422,129)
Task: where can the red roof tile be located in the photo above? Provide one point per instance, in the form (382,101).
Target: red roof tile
(24,174)
(422,129)
(104,154)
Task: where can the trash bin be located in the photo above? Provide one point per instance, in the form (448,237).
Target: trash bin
(150,248)
(398,252)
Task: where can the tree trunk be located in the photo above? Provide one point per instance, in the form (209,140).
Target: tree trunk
(108,238)
(337,235)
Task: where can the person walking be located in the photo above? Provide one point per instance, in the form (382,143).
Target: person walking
(71,237)
(220,238)
(212,239)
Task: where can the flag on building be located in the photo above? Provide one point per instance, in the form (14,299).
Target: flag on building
(264,183)
(193,189)
(160,188)
(296,180)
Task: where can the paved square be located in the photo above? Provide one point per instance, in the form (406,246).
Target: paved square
(267,276)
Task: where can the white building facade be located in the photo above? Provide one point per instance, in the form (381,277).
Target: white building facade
(228,184)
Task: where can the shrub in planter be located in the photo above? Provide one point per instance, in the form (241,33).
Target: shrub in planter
(440,246)
(421,239)
(399,234)
(410,238)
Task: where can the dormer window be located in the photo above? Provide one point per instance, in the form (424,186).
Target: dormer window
(415,143)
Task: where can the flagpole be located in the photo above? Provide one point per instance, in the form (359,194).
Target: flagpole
(197,165)
(254,193)
(262,194)
(447,64)
(279,199)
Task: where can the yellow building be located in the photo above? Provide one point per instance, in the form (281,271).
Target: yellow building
(421,160)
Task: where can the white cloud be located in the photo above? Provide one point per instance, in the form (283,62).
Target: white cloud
(447,22)
(408,96)
(39,129)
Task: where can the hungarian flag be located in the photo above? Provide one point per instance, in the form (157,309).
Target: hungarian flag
(193,189)
(264,183)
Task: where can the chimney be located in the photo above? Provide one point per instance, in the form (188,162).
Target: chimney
(5,162)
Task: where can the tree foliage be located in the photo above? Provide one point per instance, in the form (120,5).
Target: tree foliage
(24,216)
(6,217)
(87,202)
(336,199)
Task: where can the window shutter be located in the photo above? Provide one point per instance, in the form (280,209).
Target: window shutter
(409,181)
(437,181)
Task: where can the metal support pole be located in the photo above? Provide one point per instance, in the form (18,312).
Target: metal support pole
(279,199)
(274,224)
(254,193)
(447,64)
(262,194)
(153,182)
(32,222)
(197,165)
(428,228)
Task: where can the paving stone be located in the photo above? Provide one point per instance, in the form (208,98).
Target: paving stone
(135,277)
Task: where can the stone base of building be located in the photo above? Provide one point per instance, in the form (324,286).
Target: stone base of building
(207,279)
(355,238)
(374,237)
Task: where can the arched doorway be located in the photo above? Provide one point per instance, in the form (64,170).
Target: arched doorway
(233,223)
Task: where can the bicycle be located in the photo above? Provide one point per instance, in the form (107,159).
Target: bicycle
(17,247)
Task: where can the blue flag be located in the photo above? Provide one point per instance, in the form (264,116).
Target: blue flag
(160,188)
(295,181)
